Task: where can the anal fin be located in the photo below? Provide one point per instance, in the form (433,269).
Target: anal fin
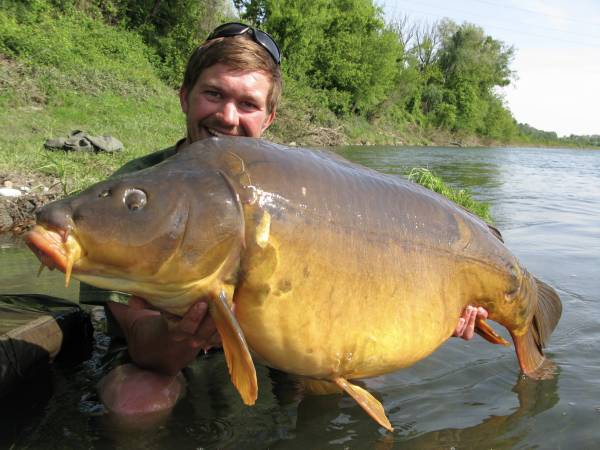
(483,329)
(239,361)
(367,402)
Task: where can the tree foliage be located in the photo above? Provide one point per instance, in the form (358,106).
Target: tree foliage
(340,53)
(472,65)
(339,47)
(173,28)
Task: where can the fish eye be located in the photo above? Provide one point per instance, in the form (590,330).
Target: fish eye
(105,193)
(134,199)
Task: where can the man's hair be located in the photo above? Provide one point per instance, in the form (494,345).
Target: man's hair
(240,53)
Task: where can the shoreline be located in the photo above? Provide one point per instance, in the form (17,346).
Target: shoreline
(17,213)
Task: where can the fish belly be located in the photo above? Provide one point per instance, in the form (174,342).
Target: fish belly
(326,311)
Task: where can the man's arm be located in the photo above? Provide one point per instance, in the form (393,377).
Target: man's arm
(154,345)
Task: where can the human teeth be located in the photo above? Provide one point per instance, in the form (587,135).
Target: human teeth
(215,132)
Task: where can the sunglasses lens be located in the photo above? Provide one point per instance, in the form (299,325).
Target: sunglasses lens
(228,29)
(267,41)
(235,29)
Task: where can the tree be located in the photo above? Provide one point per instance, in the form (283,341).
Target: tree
(339,47)
(472,65)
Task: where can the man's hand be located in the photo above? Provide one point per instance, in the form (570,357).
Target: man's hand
(166,345)
(195,329)
(466,324)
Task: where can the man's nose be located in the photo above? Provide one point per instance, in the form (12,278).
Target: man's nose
(229,114)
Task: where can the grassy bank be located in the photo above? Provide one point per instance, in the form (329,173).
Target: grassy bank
(78,74)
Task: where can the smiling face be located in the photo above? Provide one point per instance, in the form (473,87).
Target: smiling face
(226,101)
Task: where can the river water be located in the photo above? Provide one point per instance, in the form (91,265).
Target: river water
(468,395)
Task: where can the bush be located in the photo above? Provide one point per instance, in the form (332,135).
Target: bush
(76,52)
(462,197)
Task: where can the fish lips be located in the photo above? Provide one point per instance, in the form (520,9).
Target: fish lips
(54,249)
(48,246)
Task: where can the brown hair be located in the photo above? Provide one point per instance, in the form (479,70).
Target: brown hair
(239,53)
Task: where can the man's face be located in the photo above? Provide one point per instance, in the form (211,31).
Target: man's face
(225,101)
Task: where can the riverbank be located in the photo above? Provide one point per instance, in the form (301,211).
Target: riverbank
(21,195)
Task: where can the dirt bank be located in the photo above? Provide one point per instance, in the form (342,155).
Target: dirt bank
(17,213)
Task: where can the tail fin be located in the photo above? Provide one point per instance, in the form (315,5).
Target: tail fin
(529,346)
(548,313)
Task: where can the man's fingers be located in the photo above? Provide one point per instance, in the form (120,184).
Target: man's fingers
(470,326)
(460,328)
(213,340)
(482,313)
(466,323)
(196,327)
(190,322)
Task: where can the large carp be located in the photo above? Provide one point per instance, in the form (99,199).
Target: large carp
(335,271)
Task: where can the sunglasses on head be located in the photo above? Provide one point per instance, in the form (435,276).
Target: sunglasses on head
(237,29)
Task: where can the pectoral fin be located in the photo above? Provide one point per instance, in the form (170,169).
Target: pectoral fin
(483,329)
(237,354)
(369,403)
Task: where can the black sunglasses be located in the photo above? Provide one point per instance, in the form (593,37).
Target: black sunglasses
(237,29)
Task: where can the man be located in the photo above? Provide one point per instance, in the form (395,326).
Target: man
(231,86)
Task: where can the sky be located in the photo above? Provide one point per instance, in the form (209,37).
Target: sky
(557,54)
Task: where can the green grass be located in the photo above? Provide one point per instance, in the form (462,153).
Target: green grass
(143,125)
(463,197)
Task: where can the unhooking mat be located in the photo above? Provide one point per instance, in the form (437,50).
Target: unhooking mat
(36,329)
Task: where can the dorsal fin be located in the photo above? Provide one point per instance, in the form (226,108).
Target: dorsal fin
(496,232)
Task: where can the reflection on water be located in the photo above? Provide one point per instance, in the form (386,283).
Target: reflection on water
(466,395)
(498,431)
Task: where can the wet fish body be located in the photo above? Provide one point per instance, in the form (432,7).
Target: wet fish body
(336,271)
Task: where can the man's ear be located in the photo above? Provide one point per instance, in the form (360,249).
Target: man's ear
(269,120)
(183,99)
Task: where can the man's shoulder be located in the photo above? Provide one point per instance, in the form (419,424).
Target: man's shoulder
(148,160)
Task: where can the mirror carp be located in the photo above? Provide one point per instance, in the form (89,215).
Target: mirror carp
(316,266)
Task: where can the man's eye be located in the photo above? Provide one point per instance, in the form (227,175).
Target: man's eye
(249,105)
(214,94)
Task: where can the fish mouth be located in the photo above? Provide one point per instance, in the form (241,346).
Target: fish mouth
(57,249)
(54,249)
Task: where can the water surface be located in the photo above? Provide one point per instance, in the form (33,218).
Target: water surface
(546,202)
